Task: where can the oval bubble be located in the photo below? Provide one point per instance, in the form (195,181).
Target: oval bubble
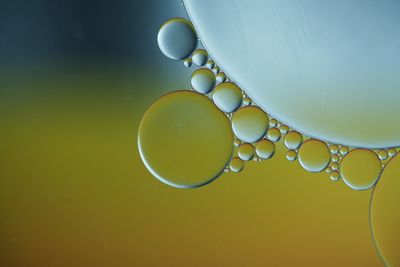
(360,169)
(177,38)
(175,131)
(227,97)
(250,123)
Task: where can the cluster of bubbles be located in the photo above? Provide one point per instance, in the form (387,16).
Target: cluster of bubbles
(219,122)
(256,133)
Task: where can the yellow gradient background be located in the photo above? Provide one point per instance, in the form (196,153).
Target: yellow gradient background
(74,192)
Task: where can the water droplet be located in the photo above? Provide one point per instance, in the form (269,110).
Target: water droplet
(382,154)
(385,213)
(360,169)
(200,57)
(175,130)
(293,140)
(314,155)
(177,38)
(250,123)
(227,97)
(265,149)
(246,151)
(187,62)
(203,81)
(274,134)
(236,164)
(291,155)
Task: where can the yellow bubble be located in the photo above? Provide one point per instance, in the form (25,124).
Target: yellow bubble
(246,101)
(335,166)
(314,155)
(360,169)
(344,150)
(293,140)
(250,123)
(236,164)
(334,149)
(284,129)
(246,151)
(335,176)
(335,158)
(382,154)
(385,213)
(200,57)
(203,81)
(274,134)
(291,155)
(273,123)
(265,149)
(392,152)
(179,128)
(227,96)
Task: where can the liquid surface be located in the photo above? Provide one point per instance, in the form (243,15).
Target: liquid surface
(294,57)
(184,140)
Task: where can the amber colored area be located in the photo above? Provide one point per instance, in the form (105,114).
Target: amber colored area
(74,192)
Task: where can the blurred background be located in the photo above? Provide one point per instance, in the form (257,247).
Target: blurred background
(75,79)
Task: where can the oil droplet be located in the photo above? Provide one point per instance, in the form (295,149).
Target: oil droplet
(385,213)
(216,70)
(284,129)
(274,134)
(200,57)
(334,149)
(293,140)
(175,129)
(236,164)
(392,152)
(291,155)
(335,166)
(344,150)
(177,38)
(273,123)
(221,77)
(250,123)
(328,170)
(246,151)
(335,176)
(210,64)
(360,169)
(265,149)
(314,155)
(236,142)
(246,101)
(382,154)
(335,158)
(187,62)
(227,97)
(203,81)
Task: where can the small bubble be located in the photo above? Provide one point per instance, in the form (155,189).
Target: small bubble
(360,169)
(335,176)
(177,38)
(227,97)
(187,62)
(284,129)
(314,155)
(392,152)
(246,151)
(344,150)
(328,170)
(293,140)
(210,64)
(236,164)
(335,158)
(236,142)
(291,155)
(216,70)
(265,149)
(382,154)
(274,134)
(246,101)
(334,149)
(221,77)
(273,123)
(203,81)
(334,166)
(200,57)
(250,123)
